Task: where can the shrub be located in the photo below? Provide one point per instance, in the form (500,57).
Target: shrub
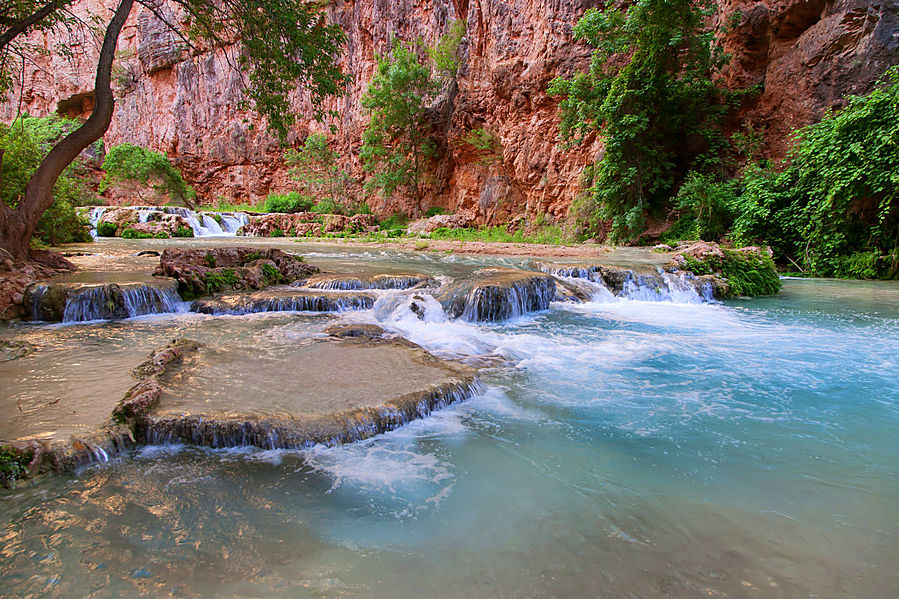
(288,202)
(327,206)
(706,206)
(154,170)
(24,144)
(161,235)
(218,280)
(183,231)
(130,233)
(277,233)
(106,229)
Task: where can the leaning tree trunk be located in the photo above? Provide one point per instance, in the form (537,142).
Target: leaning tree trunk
(17,225)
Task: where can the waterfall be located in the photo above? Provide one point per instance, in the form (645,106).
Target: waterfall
(666,287)
(114,302)
(205,224)
(292,303)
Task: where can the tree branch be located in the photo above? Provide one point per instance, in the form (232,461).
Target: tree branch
(22,26)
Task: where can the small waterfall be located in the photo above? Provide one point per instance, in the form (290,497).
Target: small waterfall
(287,433)
(96,215)
(212,225)
(233,221)
(592,289)
(35,297)
(141,300)
(493,303)
(114,302)
(295,303)
(343,284)
(665,287)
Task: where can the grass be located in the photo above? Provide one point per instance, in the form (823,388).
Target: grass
(544,235)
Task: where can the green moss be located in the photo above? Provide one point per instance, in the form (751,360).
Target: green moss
(272,274)
(105,229)
(219,280)
(13,465)
(747,273)
(130,233)
(209,260)
(253,257)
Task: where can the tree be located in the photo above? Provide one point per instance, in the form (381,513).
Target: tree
(649,92)
(395,143)
(316,169)
(284,44)
(134,164)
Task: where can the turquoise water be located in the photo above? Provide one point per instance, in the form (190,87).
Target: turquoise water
(621,449)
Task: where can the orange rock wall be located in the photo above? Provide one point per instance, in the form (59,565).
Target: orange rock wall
(808,54)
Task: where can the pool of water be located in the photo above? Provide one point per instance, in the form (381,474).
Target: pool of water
(620,449)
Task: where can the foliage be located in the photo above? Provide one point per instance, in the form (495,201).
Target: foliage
(13,465)
(445,53)
(106,229)
(395,142)
(747,273)
(24,144)
(833,209)
(434,211)
(544,235)
(706,208)
(130,233)
(486,143)
(272,274)
(277,233)
(395,222)
(288,202)
(316,169)
(130,163)
(649,91)
(183,231)
(218,280)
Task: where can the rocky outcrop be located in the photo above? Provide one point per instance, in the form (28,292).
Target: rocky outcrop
(16,277)
(202,272)
(78,302)
(283,299)
(311,224)
(805,53)
(496,294)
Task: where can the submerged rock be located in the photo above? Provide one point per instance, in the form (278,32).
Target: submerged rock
(79,302)
(379,385)
(495,294)
(359,331)
(201,272)
(283,299)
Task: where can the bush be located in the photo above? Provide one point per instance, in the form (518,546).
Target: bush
(106,229)
(277,233)
(24,145)
(184,232)
(834,208)
(327,206)
(288,202)
(131,163)
(130,233)
(707,208)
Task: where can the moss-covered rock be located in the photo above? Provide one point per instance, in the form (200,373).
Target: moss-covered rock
(747,271)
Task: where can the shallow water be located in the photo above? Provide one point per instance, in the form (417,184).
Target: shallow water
(621,449)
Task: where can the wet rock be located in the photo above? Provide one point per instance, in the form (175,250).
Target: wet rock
(495,294)
(13,349)
(202,272)
(148,253)
(362,331)
(283,299)
(358,282)
(79,302)
(439,221)
(302,224)
(380,385)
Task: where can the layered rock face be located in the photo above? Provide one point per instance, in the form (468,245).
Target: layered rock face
(807,54)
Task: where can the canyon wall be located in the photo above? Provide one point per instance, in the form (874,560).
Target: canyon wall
(806,54)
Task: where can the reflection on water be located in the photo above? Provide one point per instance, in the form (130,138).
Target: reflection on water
(622,448)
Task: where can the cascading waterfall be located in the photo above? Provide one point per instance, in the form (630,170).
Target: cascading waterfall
(205,224)
(296,303)
(112,302)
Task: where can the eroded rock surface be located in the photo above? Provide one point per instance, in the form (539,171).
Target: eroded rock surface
(335,391)
(79,302)
(283,299)
(495,294)
(201,272)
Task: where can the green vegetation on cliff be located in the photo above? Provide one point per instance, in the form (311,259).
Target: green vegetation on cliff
(154,171)
(649,91)
(830,209)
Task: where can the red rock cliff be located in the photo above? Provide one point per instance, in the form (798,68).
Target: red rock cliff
(808,54)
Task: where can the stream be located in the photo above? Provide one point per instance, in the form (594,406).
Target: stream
(619,448)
